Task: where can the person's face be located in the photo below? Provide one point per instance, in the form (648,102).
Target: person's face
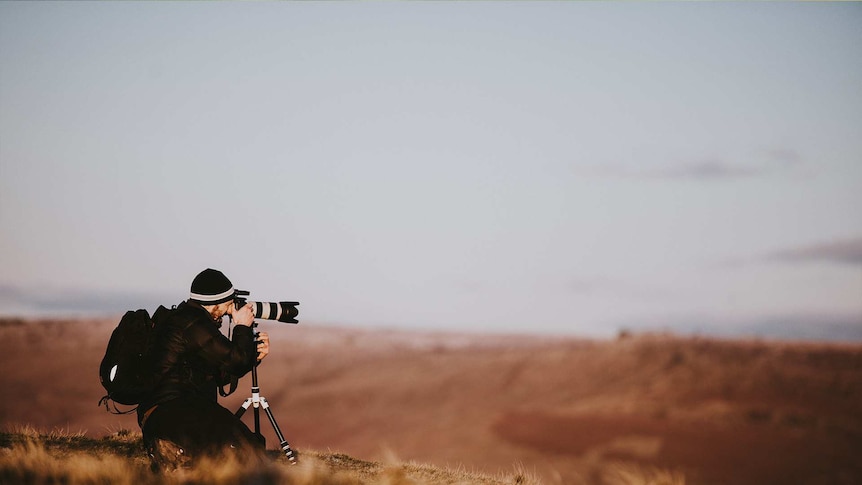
(220,310)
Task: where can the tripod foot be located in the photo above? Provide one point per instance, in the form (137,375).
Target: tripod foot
(291,455)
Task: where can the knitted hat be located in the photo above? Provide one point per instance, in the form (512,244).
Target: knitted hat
(211,287)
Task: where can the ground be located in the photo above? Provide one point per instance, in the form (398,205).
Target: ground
(566,410)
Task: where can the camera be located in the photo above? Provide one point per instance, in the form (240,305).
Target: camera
(282,311)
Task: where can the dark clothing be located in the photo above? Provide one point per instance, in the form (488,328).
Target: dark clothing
(192,358)
(193,427)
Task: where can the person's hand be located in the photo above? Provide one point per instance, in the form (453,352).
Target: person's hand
(262,345)
(243,316)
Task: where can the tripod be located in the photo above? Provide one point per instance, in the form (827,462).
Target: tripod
(258,402)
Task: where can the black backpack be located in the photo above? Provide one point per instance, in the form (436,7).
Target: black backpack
(125,371)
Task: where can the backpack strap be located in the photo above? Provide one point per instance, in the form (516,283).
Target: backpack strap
(106,399)
(233,383)
(233,379)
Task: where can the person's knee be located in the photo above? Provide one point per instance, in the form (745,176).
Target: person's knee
(167,455)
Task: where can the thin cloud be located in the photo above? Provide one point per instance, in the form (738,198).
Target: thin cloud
(770,162)
(705,170)
(848,251)
(784,157)
(57,301)
(812,327)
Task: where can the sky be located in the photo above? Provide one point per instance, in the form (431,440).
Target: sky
(564,168)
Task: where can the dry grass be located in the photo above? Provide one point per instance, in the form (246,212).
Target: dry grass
(28,456)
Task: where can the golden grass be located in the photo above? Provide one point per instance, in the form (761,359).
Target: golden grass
(28,456)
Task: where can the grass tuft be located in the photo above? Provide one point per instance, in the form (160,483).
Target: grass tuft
(28,456)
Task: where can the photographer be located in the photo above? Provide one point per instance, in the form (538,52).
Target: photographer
(181,419)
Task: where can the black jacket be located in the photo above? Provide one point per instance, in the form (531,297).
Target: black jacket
(191,357)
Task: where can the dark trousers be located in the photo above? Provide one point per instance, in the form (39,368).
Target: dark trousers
(185,428)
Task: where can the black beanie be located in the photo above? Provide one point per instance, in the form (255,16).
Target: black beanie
(211,287)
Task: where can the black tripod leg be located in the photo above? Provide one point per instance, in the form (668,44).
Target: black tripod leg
(242,409)
(285,446)
(257,420)
(258,401)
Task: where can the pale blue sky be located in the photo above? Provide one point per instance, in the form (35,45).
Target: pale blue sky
(550,167)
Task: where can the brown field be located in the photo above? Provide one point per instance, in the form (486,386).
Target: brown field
(682,410)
